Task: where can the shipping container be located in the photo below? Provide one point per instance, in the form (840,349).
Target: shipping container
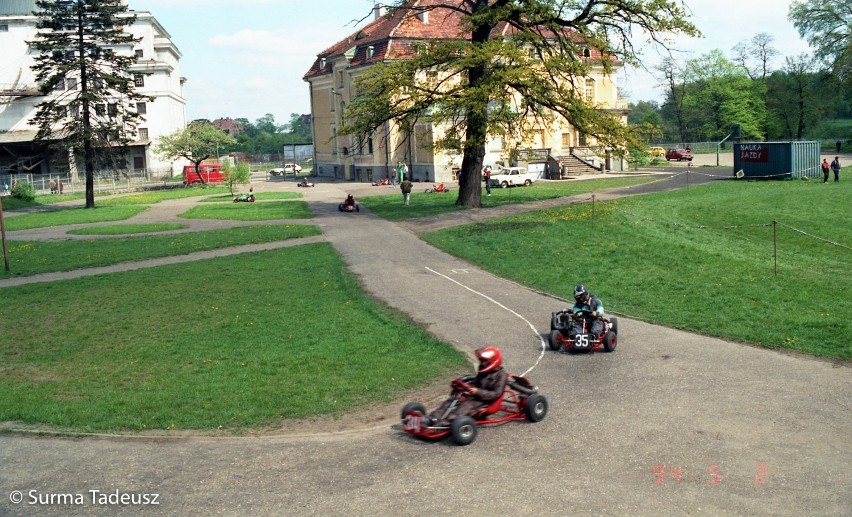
(777,160)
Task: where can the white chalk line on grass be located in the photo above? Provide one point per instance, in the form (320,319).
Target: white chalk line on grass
(495,302)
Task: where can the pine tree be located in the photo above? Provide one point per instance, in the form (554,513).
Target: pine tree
(84,71)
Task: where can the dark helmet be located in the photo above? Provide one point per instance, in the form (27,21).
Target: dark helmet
(490,358)
(581,294)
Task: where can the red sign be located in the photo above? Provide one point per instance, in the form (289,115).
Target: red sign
(754,153)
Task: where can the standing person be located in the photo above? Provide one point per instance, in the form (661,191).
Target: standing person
(835,166)
(405,186)
(486,172)
(825,169)
(400,171)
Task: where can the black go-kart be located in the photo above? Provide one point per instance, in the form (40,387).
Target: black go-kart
(568,333)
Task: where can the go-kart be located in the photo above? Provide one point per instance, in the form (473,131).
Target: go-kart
(568,333)
(438,188)
(520,401)
(305,183)
(381,183)
(349,205)
(243,198)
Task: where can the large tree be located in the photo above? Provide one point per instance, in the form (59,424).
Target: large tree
(91,97)
(196,142)
(514,64)
(827,25)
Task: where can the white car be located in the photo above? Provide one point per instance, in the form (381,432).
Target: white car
(289,168)
(512,176)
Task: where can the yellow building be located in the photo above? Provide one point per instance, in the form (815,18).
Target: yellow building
(388,38)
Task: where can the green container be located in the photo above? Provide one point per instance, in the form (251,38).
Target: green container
(777,160)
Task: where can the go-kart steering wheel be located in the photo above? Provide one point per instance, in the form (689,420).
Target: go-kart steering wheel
(460,385)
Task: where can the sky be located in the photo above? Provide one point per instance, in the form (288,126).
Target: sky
(246,58)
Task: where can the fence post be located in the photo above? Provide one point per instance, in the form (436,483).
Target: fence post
(775,243)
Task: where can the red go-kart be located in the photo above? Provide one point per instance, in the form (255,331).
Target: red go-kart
(349,205)
(520,401)
(438,188)
(381,183)
(568,333)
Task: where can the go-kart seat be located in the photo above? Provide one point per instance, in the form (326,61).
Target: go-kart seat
(493,407)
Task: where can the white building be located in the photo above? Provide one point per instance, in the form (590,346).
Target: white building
(156,73)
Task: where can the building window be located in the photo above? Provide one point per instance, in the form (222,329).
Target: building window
(112,109)
(370,51)
(369,145)
(59,85)
(71,83)
(143,133)
(138,53)
(587,53)
(138,80)
(4,27)
(566,140)
(333,100)
(590,90)
(75,111)
(141,108)
(340,78)
(100,110)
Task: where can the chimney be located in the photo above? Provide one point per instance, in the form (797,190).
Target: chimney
(379,10)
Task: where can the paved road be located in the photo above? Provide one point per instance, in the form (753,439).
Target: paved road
(672,423)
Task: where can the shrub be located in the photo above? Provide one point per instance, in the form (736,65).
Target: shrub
(23,191)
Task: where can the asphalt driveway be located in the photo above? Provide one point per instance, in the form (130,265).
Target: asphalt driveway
(673,423)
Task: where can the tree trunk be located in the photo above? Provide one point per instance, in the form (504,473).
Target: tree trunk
(470,181)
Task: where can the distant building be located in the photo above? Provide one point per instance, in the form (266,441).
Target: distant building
(229,126)
(156,74)
(391,37)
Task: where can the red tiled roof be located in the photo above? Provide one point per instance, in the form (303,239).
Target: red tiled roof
(392,36)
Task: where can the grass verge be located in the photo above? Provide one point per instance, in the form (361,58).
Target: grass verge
(237,342)
(76,215)
(425,204)
(250,211)
(36,257)
(127,229)
(700,259)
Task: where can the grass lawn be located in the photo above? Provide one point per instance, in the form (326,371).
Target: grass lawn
(240,341)
(425,204)
(76,215)
(259,196)
(646,259)
(250,211)
(127,229)
(35,257)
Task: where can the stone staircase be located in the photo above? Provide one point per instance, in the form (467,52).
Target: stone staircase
(571,165)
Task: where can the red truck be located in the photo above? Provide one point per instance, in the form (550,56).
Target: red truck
(210,173)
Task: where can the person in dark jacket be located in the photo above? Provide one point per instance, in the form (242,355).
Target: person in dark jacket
(589,310)
(486,387)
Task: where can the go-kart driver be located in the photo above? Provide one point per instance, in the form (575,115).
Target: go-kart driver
(486,387)
(588,308)
(349,202)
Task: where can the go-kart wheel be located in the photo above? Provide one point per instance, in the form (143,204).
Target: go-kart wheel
(614,325)
(357,208)
(554,340)
(463,430)
(415,407)
(535,407)
(339,208)
(610,341)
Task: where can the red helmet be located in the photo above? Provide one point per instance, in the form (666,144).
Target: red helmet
(490,358)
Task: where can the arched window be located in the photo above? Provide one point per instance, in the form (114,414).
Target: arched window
(587,53)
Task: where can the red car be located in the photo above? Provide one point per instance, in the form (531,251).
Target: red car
(679,154)
(520,401)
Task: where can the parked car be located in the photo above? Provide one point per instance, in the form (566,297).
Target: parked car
(657,151)
(512,176)
(678,154)
(288,168)
(210,173)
